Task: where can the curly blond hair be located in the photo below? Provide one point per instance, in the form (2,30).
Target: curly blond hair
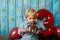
(30,11)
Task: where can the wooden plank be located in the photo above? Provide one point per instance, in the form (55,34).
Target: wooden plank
(19,12)
(56,14)
(4,37)
(3,18)
(26,5)
(0,23)
(0,17)
(11,14)
(42,4)
(6,18)
(35,4)
(49,5)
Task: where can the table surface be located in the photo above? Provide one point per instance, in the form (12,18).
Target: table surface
(6,37)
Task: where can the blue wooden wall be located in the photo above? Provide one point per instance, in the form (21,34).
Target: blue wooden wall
(12,12)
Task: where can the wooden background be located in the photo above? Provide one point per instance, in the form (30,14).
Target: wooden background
(12,12)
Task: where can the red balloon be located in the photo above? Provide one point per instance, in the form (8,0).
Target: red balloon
(57,31)
(43,13)
(14,33)
(47,32)
(48,23)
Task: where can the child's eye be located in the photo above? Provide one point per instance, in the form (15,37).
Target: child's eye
(33,18)
(30,18)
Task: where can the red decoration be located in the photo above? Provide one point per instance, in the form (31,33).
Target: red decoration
(14,33)
(57,31)
(43,13)
(47,32)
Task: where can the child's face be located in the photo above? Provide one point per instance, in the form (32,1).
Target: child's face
(31,19)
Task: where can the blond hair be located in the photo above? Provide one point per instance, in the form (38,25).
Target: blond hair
(29,12)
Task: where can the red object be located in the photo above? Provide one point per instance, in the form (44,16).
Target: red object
(43,13)
(47,32)
(14,33)
(57,31)
(48,23)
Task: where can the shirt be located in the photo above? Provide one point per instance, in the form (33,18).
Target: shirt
(30,35)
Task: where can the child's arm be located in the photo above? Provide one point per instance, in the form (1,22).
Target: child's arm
(21,29)
(24,30)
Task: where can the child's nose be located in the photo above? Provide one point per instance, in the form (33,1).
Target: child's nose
(32,20)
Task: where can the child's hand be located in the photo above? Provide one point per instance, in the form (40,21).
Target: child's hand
(34,31)
(23,30)
(29,29)
(38,32)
